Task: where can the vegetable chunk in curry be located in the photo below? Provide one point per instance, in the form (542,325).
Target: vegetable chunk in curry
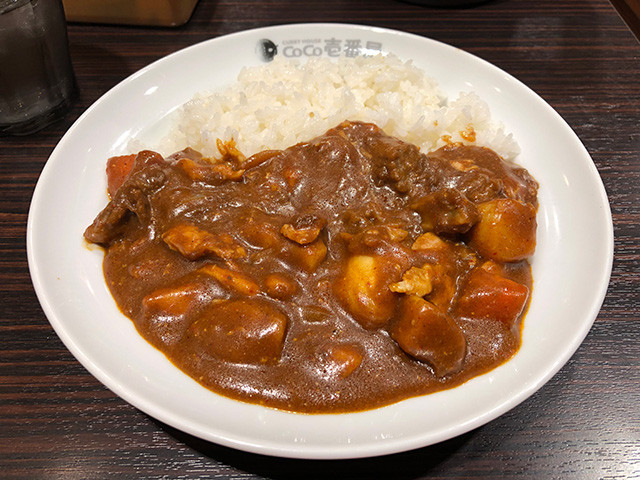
(341,274)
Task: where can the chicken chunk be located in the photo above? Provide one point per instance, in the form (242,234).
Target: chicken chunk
(447,260)
(415,281)
(261,234)
(232,280)
(379,239)
(304,229)
(194,243)
(211,170)
(429,241)
(145,177)
(446,211)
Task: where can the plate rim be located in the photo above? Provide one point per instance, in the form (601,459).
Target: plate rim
(352,452)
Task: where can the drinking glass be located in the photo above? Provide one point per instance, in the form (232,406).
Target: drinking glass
(37,83)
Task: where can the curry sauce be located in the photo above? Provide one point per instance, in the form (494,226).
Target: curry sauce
(341,274)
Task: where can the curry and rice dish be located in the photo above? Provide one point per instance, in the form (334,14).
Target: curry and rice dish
(340,274)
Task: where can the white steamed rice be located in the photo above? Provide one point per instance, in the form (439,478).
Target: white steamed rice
(283,103)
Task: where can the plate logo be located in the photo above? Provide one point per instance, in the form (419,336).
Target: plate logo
(267,49)
(318,47)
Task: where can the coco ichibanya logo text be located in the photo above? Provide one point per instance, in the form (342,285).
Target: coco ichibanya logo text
(316,47)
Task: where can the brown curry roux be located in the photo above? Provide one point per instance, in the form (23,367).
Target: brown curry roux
(340,274)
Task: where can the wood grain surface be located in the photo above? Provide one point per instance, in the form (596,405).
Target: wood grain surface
(57,421)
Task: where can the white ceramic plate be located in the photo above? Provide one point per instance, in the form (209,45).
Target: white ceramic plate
(571,266)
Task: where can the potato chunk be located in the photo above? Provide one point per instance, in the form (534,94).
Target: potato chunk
(428,334)
(363,289)
(487,295)
(171,301)
(340,359)
(308,257)
(241,331)
(506,231)
(280,285)
(165,311)
(429,241)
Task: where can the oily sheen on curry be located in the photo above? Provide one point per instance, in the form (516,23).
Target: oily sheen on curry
(340,274)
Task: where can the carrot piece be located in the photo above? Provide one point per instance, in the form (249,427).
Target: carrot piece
(486,295)
(118,168)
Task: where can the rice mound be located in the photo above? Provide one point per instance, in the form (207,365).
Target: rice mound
(279,104)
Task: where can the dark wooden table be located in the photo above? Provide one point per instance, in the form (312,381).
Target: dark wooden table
(57,421)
